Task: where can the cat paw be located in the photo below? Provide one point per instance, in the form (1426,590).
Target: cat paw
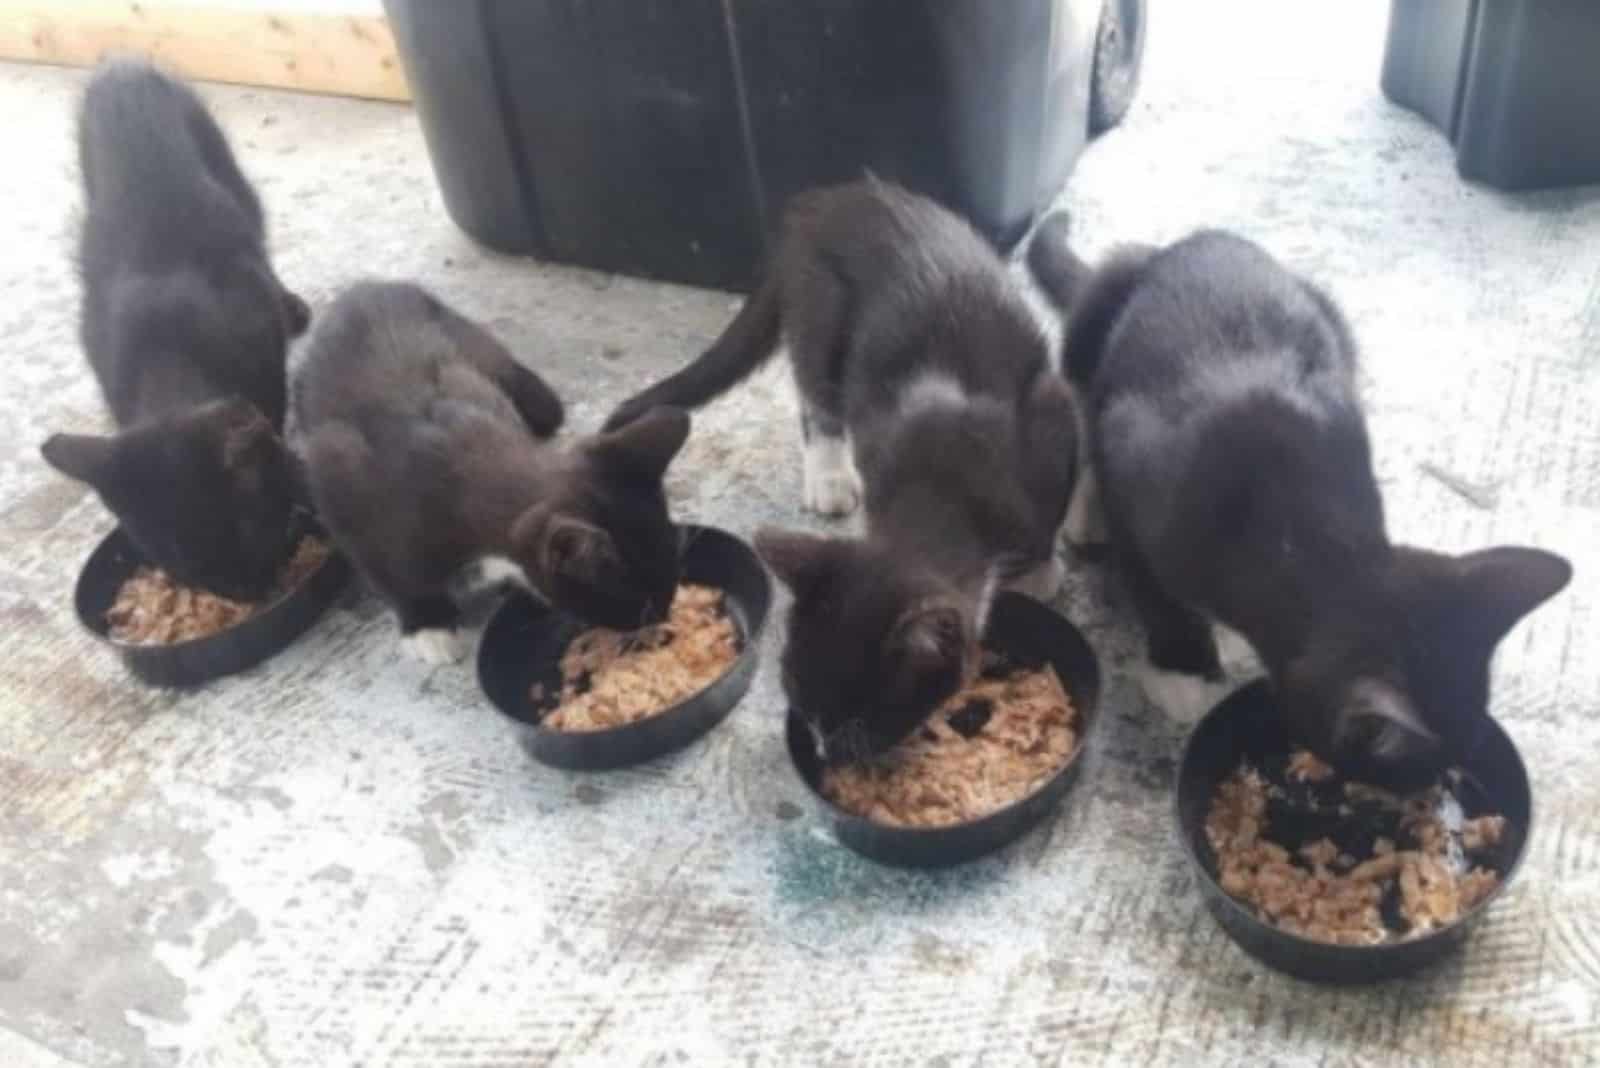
(1042,583)
(1234,652)
(1183,697)
(832,485)
(435,645)
(1086,520)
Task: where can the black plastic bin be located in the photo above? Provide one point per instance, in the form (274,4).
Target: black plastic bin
(661,137)
(1514,84)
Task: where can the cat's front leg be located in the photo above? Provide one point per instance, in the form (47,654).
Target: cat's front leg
(1184,675)
(430,629)
(1086,521)
(832,484)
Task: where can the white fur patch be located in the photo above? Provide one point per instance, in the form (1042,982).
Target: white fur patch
(495,570)
(933,390)
(1232,650)
(991,585)
(435,645)
(1086,519)
(1184,698)
(832,484)
(1043,582)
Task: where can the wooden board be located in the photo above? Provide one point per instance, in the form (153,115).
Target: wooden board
(344,54)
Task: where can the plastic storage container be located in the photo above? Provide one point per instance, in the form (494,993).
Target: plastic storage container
(662,137)
(1514,84)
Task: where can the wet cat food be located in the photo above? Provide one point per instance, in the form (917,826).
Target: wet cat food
(152,609)
(611,678)
(990,745)
(1347,863)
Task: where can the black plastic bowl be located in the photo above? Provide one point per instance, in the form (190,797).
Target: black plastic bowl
(190,663)
(525,639)
(1029,633)
(1246,725)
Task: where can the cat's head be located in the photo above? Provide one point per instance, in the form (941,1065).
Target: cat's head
(208,495)
(1396,700)
(875,643)
(602,546)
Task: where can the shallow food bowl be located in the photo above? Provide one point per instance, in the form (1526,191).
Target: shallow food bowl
(1246,725)
(525,639)
(1029,634)
(198,660)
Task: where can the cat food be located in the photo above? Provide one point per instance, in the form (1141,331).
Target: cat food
(990,745)
(151,609)
(1379,868)
(610,678)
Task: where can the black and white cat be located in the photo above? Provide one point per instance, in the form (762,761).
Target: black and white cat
(910,343)
(186,327)
(425,451)
(1237,481)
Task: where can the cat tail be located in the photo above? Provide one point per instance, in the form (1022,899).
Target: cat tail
(747,343)
(1060,272)
(1092,299)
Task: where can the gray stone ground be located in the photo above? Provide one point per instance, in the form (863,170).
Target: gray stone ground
(341,858)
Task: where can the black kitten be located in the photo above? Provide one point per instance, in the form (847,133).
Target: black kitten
(186,327)
(910,342)
(1237,482)
(421,437)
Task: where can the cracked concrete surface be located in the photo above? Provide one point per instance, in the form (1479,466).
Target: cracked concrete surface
(343,858)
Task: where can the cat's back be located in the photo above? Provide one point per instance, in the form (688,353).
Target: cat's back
(875,231)
(148,152)
(1218,314)
(391,351)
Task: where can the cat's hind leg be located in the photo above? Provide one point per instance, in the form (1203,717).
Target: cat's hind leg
(832,483)
(430,628)
(818,340)
(530,394)
(1183,676)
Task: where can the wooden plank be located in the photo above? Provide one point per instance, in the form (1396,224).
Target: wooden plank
(342,54)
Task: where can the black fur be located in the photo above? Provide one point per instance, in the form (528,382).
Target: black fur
(423,443)
(186,328)
(1237,479)
(876,290)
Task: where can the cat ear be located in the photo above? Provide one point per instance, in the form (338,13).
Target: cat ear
(1377,721)
(578,549)
(929,637)
(85,457)
(647,445)
(564,545)
(1497,587)
(799,560)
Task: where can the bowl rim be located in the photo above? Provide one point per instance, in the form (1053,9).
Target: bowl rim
(1221,898)
(1088,714)
(749,632)
(262,617)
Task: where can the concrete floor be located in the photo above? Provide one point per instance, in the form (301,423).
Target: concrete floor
(342,858)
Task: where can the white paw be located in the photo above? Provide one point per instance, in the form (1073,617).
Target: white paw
(832,485)
(1086,521)
(1042,583)
(435,645)
(499,571)
(1234,652)
(1184,698)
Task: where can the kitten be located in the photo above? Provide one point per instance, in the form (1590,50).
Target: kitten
(423,440)
(1238,486)
(186,328)
(911,347)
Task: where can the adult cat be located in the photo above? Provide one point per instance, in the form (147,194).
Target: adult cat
(1237,482)
(423,440)
(186,328)
(909,342)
